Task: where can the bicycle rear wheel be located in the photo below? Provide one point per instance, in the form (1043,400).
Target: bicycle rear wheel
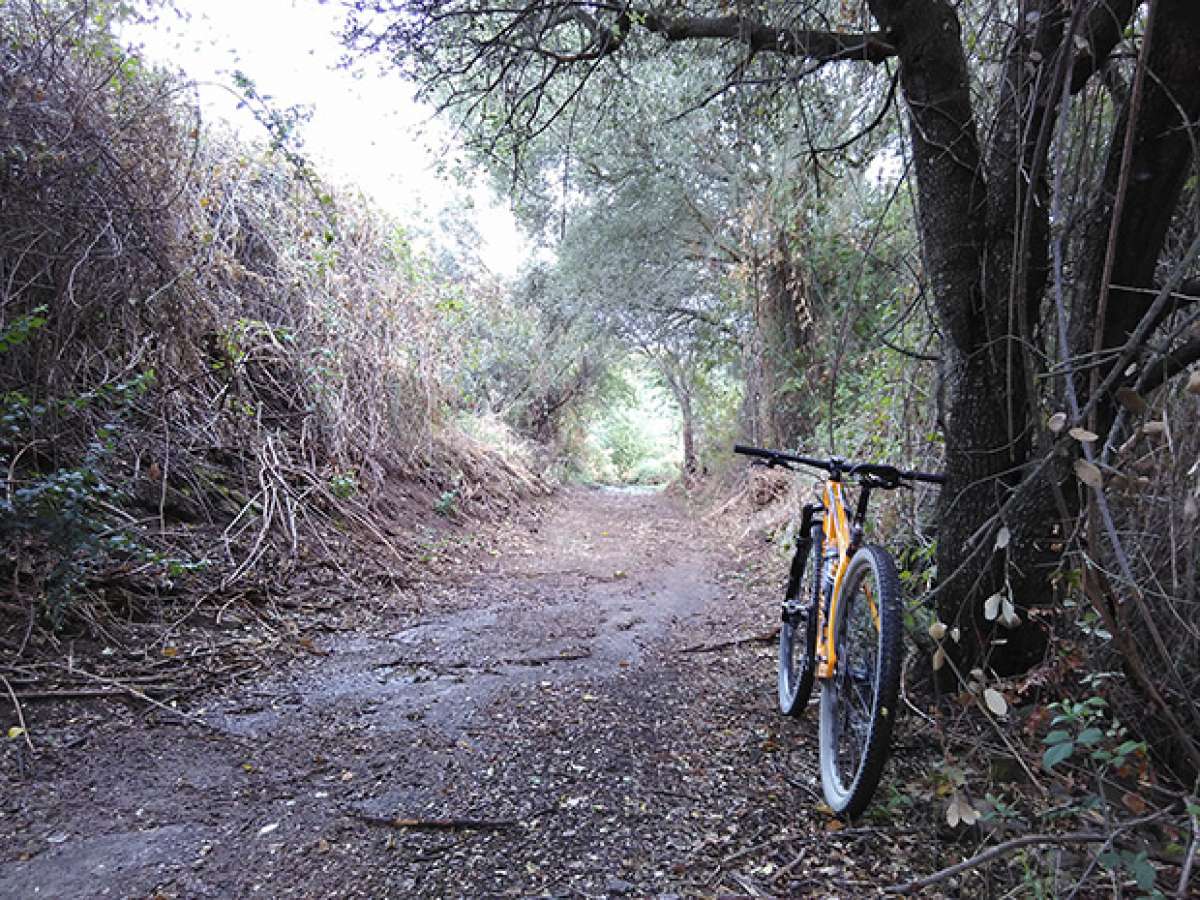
(858,704)
(798,631)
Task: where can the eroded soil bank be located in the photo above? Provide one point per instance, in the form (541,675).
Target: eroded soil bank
(551,721)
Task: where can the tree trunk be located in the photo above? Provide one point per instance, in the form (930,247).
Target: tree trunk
(777,407)
(691,462)
(985,230)
(786,321)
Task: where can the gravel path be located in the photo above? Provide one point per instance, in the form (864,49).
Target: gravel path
(549,722)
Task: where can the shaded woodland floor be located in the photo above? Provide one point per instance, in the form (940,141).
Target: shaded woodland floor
(584,709)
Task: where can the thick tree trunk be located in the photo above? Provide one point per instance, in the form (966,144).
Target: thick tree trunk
(691,462)
(784,320)
(985,230)
(777,405)
(681,384)
(983,433)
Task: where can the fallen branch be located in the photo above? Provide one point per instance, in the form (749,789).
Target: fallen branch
(141,695)
(89,693)
(1072,837)
(765,638)
(546,660)
(1007,847)
(437,824)
(437,666)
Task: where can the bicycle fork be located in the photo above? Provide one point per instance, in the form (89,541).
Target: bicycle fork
(794,605)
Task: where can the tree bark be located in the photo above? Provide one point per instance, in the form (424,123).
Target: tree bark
(785,321)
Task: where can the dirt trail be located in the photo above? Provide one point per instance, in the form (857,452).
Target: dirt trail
(538,720)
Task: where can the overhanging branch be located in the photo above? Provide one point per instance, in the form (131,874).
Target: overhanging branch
(826,46)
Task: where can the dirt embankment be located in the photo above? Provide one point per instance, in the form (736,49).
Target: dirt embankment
(549,722)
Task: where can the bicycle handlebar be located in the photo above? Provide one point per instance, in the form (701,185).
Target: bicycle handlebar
(836,466)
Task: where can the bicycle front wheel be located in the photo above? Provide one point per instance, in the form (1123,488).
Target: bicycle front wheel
(858,704)
(798,630)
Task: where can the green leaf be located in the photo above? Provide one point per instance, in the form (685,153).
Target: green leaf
(1143,872)
(1057,754)
(1056,737)
(1090,736)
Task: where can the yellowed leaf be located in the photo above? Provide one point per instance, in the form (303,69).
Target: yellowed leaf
(1134,803)
(15,732)
(1088,473)
(170,651)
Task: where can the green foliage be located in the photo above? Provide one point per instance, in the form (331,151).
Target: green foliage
(1137,864)
(1083,729)
(344,485)
(447,503)
(19,331)
(632,431)
(68,511)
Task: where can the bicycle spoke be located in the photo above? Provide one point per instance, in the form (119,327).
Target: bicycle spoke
(856,679)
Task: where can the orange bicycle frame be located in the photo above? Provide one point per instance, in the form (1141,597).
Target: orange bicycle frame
(838,532)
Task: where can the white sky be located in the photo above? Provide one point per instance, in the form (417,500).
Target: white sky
(365,130)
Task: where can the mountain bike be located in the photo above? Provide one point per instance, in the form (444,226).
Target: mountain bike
(842,625)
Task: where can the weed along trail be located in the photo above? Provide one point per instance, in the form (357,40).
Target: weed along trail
(565,717)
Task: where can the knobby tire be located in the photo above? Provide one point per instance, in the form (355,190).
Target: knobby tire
(798,630)
(858,705)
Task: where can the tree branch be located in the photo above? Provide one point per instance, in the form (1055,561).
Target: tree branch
(1003,849)
(826,46)
(1102,31)
(1168,366)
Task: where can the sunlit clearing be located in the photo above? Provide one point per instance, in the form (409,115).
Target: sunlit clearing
(634,438)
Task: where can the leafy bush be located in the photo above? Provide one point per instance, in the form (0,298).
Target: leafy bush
(200,338)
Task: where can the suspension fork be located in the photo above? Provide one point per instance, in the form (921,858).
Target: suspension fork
(810,515)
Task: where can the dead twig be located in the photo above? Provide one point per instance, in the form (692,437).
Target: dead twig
(1185,877)
(790,867)
(21,715)
(765,638)
(546,660)
(1007,847)
(437,824)
(145,698)
(85,693)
